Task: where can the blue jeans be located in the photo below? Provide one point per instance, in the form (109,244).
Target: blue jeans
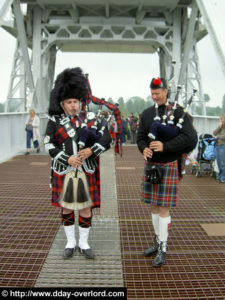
(220,158)
(29,138)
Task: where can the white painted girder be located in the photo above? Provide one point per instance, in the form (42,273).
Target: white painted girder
(216,31)
(144,26)
(4,8)
(156,3)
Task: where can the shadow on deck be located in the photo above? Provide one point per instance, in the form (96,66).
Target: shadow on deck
(31,231)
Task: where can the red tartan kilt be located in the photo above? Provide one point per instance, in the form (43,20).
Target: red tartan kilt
(93,183)
(163,194)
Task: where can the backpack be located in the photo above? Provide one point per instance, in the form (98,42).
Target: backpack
(209,153)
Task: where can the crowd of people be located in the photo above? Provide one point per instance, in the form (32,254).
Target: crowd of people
(129,126)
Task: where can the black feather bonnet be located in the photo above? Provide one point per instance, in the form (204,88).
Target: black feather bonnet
(71,83)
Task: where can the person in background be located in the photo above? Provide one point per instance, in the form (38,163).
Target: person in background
(133,128)
(104,116)
(128,129)
(220,148)
(124,130)
(32,131)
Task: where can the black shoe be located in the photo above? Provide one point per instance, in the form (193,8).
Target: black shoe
(68,253)
(152,250)
(160,258)
(27,153)
(87,253)
(38,150)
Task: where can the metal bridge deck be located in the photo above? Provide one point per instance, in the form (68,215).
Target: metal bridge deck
(32,239)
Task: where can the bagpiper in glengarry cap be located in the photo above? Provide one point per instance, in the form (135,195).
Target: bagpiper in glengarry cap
(71,83)
(158,83)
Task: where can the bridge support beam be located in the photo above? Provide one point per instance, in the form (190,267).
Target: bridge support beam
(102,26)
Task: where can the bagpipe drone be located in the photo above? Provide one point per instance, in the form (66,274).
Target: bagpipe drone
(90,126)
(167,125)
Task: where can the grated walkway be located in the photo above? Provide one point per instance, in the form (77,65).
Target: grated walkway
(106,269)
(32,240)
(195,266)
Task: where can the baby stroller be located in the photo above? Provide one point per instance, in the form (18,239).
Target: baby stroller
(206,156)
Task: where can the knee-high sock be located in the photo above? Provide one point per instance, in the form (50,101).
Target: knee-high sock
(85,222)
(69,228)
(164,224)
(155,222)
(84,228)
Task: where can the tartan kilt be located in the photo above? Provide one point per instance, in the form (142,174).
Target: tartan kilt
(165,193)
(93,185)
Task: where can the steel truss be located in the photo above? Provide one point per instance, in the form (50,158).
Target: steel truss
(170,28)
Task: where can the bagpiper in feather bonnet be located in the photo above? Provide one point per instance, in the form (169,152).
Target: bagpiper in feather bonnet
(71,83)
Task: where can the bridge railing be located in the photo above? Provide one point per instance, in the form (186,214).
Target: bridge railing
(13,135)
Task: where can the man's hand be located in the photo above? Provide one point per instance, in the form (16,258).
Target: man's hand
(147,153)
(85,153)
(156,146)
(74,161)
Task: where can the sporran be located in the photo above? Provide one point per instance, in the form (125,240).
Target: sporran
(153,173)
(75,193)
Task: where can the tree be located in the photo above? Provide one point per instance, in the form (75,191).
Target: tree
(122,107)
(206,97)
(14,105)
(214,111)
(2,107)
(110,100)
(149,101)
(130,106)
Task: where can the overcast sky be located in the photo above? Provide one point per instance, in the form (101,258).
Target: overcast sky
(123,75)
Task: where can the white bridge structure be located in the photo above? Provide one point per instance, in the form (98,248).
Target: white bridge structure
(170,28)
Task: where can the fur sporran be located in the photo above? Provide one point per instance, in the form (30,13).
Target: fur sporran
(75,194)
(153,173)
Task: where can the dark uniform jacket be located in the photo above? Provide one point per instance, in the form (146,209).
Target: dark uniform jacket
(59,145)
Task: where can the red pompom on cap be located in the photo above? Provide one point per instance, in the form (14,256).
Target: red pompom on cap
(157,81)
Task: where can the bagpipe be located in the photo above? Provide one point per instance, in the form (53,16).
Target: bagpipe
(92,127)
(167,124)
(89,128)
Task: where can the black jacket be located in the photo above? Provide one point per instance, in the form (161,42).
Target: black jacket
(59,145)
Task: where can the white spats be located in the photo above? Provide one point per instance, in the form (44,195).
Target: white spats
(83,238)
(70,235)
(164,224)
(155,223)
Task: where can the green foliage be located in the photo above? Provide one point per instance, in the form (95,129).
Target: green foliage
(214,111)
(14,105)
(137,105)
(2,107)
(206,97)
(110,100)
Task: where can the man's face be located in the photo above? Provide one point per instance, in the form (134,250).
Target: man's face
(71,106)
(159,96)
